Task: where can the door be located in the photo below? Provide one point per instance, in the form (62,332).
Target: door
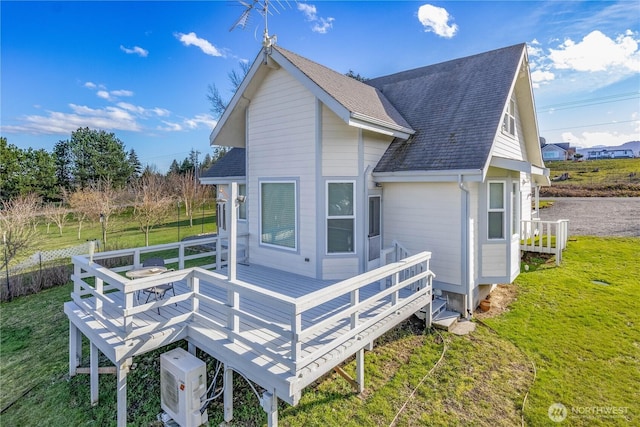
(374,239)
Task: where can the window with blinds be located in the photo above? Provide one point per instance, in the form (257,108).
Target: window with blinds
(278,214)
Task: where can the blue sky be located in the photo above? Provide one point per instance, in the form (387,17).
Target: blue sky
(141,69)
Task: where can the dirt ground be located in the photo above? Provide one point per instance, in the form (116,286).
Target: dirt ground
(596,216)
(501,298)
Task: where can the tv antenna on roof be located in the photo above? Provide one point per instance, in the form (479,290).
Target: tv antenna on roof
(265,8)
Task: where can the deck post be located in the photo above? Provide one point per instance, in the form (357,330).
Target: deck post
(123,370)
(269,402)
(360,370)
(233,233)
(93,366)
(75,348)
(227,396)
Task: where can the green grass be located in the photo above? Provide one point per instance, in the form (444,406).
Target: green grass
(583,338)
(595,178)
(125,233)
(596,171)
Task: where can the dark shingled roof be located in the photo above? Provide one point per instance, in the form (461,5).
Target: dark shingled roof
(231,164)
(455,107)
(352,94)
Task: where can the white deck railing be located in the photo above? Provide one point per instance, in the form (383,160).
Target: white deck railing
(548,237)
(268,322)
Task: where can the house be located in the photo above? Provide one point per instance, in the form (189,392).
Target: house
(615,153)
(331,171)
(558,151)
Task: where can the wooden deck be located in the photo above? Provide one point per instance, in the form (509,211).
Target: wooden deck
(281,330)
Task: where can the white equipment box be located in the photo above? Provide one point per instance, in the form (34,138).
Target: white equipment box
(183,384)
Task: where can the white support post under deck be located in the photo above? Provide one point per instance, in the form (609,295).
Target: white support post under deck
(360,370)
(227,396)
(123,370)
(93,356)
(75,348)
(269,402)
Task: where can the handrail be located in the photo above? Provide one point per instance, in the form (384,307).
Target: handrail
(226,306)
(544,236)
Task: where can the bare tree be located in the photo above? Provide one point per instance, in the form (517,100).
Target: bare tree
(98,202)
(57,214)
(153,203)
(190,191)
(79,202)
(16,225)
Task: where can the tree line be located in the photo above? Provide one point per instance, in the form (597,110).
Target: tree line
(88,157)
(90,177)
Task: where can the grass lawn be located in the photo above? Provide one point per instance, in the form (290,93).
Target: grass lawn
(582,337)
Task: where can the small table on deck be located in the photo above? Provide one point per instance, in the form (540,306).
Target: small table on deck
(159,290)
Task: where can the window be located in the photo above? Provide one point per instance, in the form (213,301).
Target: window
(496,210)
(340,217)
(278,214)
(242,208)
(509,120)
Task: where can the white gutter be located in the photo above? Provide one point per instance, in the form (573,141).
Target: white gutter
(464,225)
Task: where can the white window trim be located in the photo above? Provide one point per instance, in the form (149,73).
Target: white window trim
(327,217)
(295,205)
(509,119)
(503,210)
(516,208)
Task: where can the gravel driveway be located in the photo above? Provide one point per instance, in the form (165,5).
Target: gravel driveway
(596,216)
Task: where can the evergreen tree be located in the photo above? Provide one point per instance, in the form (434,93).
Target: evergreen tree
(174,168)
(97,156)
(135,165)
(63,162)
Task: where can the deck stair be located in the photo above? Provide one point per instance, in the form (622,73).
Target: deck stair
(443,318)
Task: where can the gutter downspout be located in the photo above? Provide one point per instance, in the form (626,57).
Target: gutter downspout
(466,274)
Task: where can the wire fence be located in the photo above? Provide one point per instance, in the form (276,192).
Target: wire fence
(42,270)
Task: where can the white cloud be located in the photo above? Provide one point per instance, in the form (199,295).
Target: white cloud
(597,52)
(136,50)
(121,92)
(90,85)
(201,119)
(103,94)
(170,127)
(161,112)
(110,118)
(436,19)
(204,45)
(593,139)
(320,25)
(539,77)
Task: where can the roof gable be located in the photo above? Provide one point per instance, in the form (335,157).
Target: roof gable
(456,107)
(355,102)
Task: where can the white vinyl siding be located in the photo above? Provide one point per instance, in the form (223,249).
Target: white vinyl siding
(511,146)
(281,123)
(339,146)
(341,217)
(375,146)
(426,217)
(496,209)
(494,259)
(337,268)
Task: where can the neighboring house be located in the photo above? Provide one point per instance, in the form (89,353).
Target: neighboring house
(604,153)
(442,158)
(558,151)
